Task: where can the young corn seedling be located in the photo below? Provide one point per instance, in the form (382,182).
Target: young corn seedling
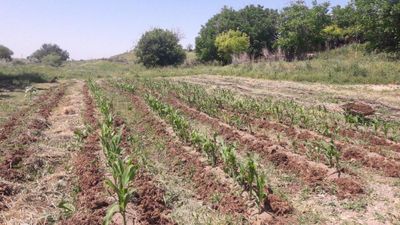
(248,173)
(231,164)
(260,190)
(123,172)
(332,154)
(197,139)
(210,148)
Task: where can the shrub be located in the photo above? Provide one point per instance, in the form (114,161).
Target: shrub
(52,60)
(50,49)
(231,43)
(5,53)
(160,47)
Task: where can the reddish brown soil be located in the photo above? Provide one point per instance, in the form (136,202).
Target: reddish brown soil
(89,114)
(388,167)
(10,168)
(149,197)
(19,117)
(277,205)
(358,108)
(191,167)
(188,165)
(348,188)
(91,200)
(149,201)
(312,173)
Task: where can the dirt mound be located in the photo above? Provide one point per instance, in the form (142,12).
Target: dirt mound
(358,108)
(348,188)
(277,205)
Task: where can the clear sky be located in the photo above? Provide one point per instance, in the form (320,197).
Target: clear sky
(90,29)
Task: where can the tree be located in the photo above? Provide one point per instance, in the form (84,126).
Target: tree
(261,26)
(49,49)
(258,23)
(159,47)
(345,18)
(5,53)
(380,23)
(334,35)
(205,42)
(231,43)
(300,29)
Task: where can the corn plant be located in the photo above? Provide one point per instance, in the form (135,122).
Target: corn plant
(122,169)
(211,149)
(123,172)
(248,173)
(231,164)
(197,139)
(331,153)
(260,189)
(245,173)
(286,111)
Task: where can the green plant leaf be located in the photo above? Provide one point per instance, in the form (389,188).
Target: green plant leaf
(110,213)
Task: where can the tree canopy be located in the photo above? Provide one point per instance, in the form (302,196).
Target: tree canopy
(255,21)
(49,49)
(299,29)
(5,53)
(160,47)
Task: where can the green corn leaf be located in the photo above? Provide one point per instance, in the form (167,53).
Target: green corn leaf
(110,213)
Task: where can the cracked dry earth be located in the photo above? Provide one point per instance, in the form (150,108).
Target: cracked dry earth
(49,181)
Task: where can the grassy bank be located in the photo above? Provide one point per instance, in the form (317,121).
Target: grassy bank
(347,65)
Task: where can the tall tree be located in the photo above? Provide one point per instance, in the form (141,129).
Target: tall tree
(300,29)
(205,42)
(258,23)
(380,22)
(160,47)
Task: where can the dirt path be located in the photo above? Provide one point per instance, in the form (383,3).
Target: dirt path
(383,97)
(50,163)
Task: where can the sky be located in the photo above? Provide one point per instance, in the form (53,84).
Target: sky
(90,29)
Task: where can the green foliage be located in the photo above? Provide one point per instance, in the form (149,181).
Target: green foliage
(331,153)
(231,164)
(52,59)
(246,173)
(300,29)
(5,53)
(123,170)
(379,20)
(258,23)
(159,47)
(345,18)
(230,43)
(50,49)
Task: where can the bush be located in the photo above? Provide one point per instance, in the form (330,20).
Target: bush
(50,49)
(5,53)
(52,60)
(159,47)
(231,43)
